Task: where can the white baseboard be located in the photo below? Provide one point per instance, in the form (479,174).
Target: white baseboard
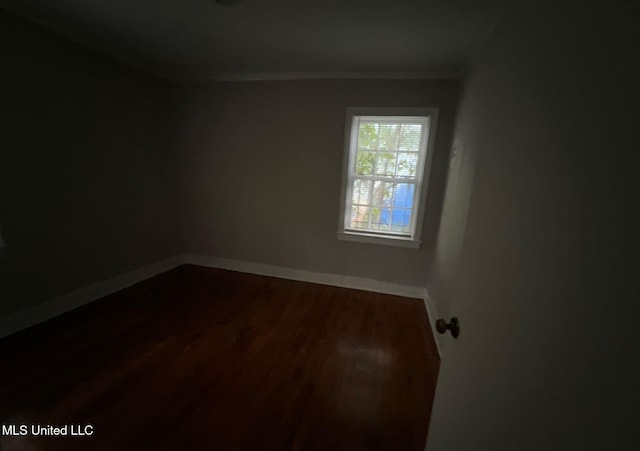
(432,313)
(336,280)
(65,303)
(321,278)
(62,304)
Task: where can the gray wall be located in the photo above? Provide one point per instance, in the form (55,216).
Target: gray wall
(543,275)
(104,169)
(264,172)
(87,182)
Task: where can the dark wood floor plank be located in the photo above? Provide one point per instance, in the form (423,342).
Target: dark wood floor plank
(205,359)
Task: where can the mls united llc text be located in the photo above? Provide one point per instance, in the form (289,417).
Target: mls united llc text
(67,430)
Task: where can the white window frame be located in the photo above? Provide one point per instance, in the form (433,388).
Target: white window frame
(412,240)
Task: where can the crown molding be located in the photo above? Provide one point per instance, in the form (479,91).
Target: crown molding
(170,74)
(290,76)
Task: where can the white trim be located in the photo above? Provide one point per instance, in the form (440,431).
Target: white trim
(336,280)
(42,312)
(386,240)
(50,309)
(429,118)
(432,313)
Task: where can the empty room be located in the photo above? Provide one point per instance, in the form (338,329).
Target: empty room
(296,225)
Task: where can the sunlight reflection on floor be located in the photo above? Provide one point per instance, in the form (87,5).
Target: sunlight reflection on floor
(362,381)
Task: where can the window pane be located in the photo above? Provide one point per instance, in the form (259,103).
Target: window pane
(368,136)
(389,136)
(361,219)
(353,217)
(410,137)
(401,220)
(403,196)
(386,164)
(383,172)
(365,162)
(384,220)
(361,192)
(382,194)
(407,165)
(355,191)
(375,218)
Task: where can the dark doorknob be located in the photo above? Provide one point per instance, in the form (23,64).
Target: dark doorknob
(453,326)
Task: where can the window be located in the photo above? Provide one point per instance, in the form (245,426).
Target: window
(385,175)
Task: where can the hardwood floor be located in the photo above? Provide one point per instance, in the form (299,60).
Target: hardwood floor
(204,359)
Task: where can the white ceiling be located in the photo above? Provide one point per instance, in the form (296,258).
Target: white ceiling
(202,39)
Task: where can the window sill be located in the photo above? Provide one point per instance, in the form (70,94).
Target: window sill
(377,239)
